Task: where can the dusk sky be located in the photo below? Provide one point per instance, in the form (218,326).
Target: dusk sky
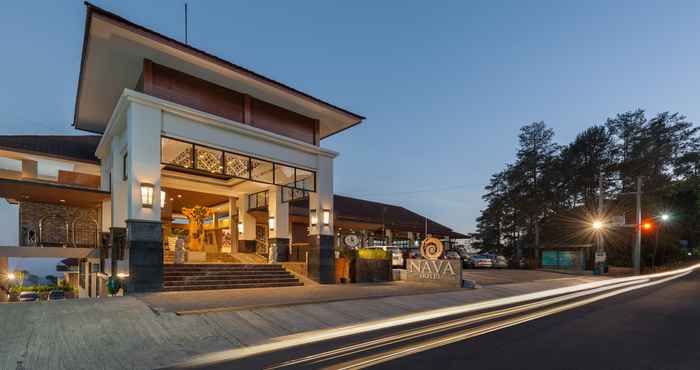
(444,85)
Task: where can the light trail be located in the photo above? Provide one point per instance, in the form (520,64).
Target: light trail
(471,333)
(326,334)
(441,327)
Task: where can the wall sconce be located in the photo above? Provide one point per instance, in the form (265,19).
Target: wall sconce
(314,217)
(240,227)
(326,217)
(162,199)
(271,223)
(147,195)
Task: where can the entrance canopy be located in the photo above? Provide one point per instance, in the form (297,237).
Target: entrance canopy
(44,192)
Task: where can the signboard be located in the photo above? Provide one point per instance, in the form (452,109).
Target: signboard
(438,271)
(618,220)
(432,248)
(600,257)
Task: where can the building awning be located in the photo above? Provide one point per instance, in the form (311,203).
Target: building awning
(44,192)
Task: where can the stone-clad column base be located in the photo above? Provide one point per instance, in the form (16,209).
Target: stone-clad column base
(246,246)
(282,247)
(321,259)
(145,242)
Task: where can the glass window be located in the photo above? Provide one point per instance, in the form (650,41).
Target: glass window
(306,180)
(261,171)
(284,175)
(209,159)
(237,165)
(176,152)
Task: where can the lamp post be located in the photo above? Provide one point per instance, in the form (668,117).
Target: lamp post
(664,217)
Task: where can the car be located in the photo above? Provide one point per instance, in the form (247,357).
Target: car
(28,297)
(452,255)
(478,261)
(57,295)
(499,261)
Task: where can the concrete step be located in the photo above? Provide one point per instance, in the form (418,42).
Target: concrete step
(167,284)
(225,277)
(229,286)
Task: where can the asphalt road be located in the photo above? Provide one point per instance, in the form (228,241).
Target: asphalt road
(657,327)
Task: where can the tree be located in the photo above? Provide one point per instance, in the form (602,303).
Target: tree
(559,184)
(51,279)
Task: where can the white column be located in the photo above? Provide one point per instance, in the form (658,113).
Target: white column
(280,211)
(233,223)
(143,147)
(322,199)
(247,219)
(30,169)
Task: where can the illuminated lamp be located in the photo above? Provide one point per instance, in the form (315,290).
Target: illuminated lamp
(271,223)
(147,195)
(162,199)
(326,217)
(240,227)
(314,217)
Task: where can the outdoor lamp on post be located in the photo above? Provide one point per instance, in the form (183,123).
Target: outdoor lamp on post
(271,223)
(314,217)
(326,217)
(147,195)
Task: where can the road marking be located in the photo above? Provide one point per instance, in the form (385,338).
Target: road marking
(471,333)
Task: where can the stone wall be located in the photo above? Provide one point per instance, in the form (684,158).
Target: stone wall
(53,225)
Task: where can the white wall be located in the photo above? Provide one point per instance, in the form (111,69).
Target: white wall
(143,129)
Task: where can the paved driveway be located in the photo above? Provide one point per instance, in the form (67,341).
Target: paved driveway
(494,276)
(241,299)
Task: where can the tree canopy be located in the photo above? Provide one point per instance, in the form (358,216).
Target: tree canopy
(549,190)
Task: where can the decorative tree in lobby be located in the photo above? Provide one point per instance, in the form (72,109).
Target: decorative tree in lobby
(196,216)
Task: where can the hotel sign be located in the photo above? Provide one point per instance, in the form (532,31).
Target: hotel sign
(439,271)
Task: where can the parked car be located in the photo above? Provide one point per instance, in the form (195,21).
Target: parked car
(452,255)
(518,262)
(28,297)
(57,295)
(499,261)
(478,261)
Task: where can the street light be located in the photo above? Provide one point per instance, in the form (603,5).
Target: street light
(11,276)
(597,225)
(665,217)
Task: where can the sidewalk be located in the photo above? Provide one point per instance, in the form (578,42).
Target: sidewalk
(126,333)
(197,302)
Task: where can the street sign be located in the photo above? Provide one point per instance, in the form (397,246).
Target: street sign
(600,257)
(618,220)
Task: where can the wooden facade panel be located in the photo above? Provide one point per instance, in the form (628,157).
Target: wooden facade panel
(184,89)
(281,121)
(181,88)
(79,179)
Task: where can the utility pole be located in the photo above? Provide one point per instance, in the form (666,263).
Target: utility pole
(636,255)
(599,239)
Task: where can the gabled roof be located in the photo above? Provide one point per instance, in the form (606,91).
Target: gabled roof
(71,147)
(391,216)
(135,41)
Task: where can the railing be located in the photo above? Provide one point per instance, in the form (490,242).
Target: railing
(259,200)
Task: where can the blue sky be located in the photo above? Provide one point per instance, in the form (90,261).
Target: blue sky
(444,85)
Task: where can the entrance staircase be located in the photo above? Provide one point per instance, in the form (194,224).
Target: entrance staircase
(225,276)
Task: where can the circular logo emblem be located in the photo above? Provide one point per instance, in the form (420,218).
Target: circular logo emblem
(352,240)
(431,248)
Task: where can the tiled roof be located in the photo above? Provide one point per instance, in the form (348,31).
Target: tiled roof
(73,147)
(391,216)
